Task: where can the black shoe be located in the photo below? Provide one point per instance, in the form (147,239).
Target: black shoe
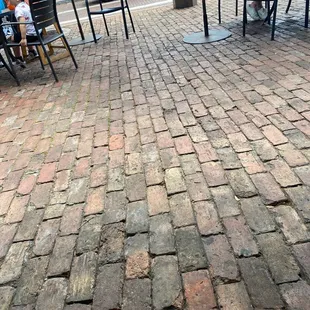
(19,61)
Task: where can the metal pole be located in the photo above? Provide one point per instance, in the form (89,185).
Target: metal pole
(78,20)
(205,18)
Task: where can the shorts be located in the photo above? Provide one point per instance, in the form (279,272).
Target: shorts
(18,37)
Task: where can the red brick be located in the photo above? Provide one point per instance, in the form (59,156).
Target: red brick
(98,176)
(157,200)
(5,168)
(251,163)
(62,180)
(116,142)
(164,140)
(101,139)
(81,168)
(183,145)
(117,158)
(47,173)
(13,180)
(43,146)
(84,149)
(95,201)
(31,143)
(205,152)
(27,184)
(99,155)
(40,197)
(53,154)
(17,209)
(199,292)
(274,135)
(7,233)
(6,199)
(239,142)
(138,265)
(66,161)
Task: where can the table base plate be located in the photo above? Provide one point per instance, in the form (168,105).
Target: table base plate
(88,39)
(200,38)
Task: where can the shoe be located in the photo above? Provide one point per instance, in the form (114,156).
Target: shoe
(1,65)
(31,56)
(252,12)
(262,13)
(19,62)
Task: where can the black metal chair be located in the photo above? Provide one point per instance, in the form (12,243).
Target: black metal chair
(103,11)
(306,13)
(271,12)
(44,14)
(9,66)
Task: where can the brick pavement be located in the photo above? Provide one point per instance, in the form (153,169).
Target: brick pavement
(160,175)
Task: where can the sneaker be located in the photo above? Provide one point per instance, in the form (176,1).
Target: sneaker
(19,62)
(1,65)
(262,13)
(32,55)
(252,12)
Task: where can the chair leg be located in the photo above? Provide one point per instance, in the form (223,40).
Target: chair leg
(237,7)
(49,61)
(274,19)
(131,20)
(70,51)
(10,68)
(124,19)
(219,11)
(106,25)
(268,10)
(307,14)
(41,62)
(90,21)
(288,6)
(244,20)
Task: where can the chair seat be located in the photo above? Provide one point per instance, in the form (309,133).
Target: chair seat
(48,38)
(107,10)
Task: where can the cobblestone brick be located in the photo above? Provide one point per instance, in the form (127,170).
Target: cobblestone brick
(251,163)
(197,187)
(17,209)
(296,294)
(181,210)
(108,291)
(251,132)
(190,164)
(52,295)
(229,158)
(157,200)
(133,164)
(190,249)
(214,173)
(71,220)
(261,288)
(6,296)
(116,180)
(291,224)
(269,190)
(153,173)
(6,199)
(220,257)
(205,152)
(77,191)
(161,235)
(301,252)
(7,233)
(95,201)
(174,181)
(166,283)
(61,258)
(82,277)
(137,265)
(137,220)
(240,236)
(135,187)
(137,294)
(225,201)
(31,281)
(233,296)
(169,158)
(198,290)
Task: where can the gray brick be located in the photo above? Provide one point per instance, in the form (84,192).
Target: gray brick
(174,181)
(135,187)
(296,295)
(137,217)
(181,210)
(115,207)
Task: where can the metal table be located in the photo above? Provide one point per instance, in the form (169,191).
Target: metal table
(206,36)
(84,39)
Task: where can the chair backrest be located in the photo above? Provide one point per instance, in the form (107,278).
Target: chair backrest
(43,12)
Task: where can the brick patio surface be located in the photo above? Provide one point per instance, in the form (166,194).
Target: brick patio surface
(160,175)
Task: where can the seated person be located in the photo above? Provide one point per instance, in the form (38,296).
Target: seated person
(256,10)
(27,32)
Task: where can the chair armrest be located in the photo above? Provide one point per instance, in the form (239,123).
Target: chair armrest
(15,23)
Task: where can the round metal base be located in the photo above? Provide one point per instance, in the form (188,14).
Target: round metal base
(200,38)
(88,38)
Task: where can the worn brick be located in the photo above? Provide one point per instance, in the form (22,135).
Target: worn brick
(22,161)
(181,210)
(137,294)
(296,294)
(71,220)
(291,224)
(251,132)
(6,296)
(98,176)
(81,169)
(241,183)
(239,142)
(183,145)
(153,173)
(175,126)
(62,180)
(267,187)
(137,265)
(66,161)
(82,277)
(47,173)
(205,152)
(115,207)
(108,291)
(225,201)
(12,265)
(164,140)
(157,200)
(133,164)
(190,164)
(169,158)
(280,261)
(77,191)
(214,174)
(251,163)
(222,262)
(61,258)
(31,280)
(53,294)
(233,296)
(116,179)
(17,209)
(95,201)
(27,184)
(99,155)
(301,252)
(197,134)
(6,199)
(84,149)
(112,243)
(137,220)
(240,236)
(261,288)
(300,197)
(166,283)
(174,181)
(161,235)
(46,236)
(7,233)
(264,150)
(136,244)
(135,187)
(198,290)
(53,211)
(12,181)
(229,158)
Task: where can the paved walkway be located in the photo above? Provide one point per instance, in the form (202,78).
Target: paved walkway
(160,175)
